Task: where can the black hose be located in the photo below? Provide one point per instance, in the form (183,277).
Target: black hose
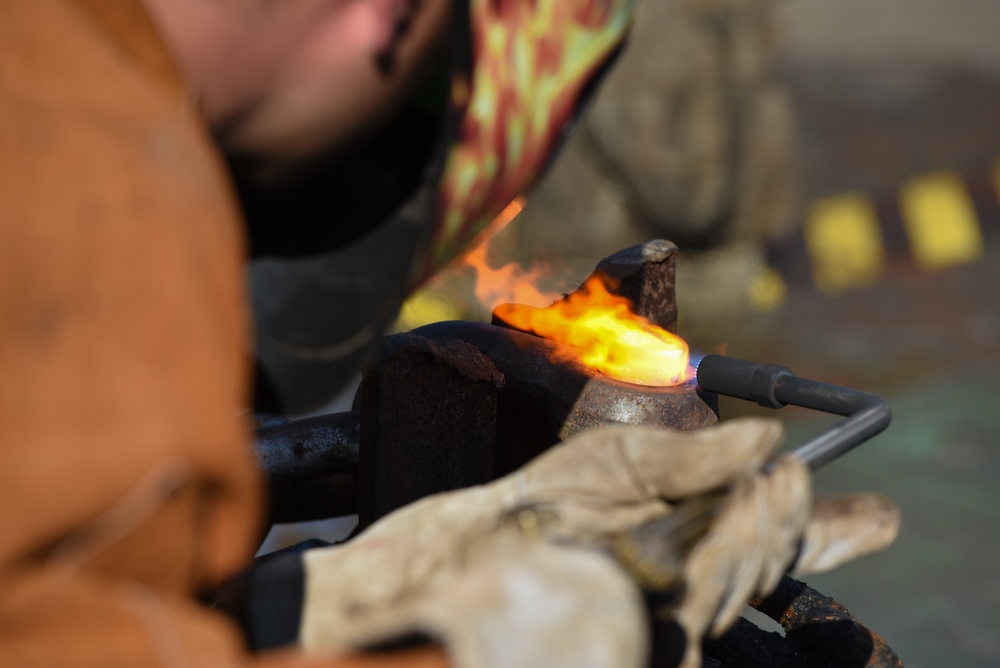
(653,553)
(775,386)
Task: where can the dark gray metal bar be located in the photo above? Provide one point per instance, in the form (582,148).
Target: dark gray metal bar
(311,448)
(653,552)
(774,386)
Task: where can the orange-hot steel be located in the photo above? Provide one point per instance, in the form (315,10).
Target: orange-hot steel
(605,334)
(597,325)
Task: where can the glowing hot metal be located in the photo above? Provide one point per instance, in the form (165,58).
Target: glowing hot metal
(604,333)
(594,325)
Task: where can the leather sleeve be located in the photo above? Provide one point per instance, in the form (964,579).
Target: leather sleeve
(126,487)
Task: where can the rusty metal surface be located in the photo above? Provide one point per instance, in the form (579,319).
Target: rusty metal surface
(606,401)
(574,396)
(826,626)
(747,646)
(428,422)
(645,275)
(548,396)
(451,405)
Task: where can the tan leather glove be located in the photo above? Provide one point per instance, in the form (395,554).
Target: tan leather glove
(765,521)
(511,601)
(583,493)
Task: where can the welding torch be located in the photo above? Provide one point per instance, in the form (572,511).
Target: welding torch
(654,552)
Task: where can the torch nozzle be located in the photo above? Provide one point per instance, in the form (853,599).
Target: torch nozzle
(775,386)
(653,553)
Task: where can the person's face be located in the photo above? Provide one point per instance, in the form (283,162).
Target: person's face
(283,80)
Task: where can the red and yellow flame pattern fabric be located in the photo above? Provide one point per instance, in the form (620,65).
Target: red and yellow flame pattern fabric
(531,60)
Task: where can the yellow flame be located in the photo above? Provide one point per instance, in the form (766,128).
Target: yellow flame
(605,334)
(593,325)
(510,282)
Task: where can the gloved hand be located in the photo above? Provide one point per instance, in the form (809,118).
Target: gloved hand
(459,566)
(766,522)
(511,600)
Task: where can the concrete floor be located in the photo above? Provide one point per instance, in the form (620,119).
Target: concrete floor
(930,344)
(884,92)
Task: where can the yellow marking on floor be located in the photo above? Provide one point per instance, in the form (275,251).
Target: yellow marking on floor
(767,290)
(940,221)
(845,244)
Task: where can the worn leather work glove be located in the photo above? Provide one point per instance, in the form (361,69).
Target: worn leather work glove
(505,600)
(517,572)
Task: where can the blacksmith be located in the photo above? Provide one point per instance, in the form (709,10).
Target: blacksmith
(148,150)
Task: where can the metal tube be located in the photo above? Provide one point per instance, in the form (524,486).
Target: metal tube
(311,448)
(775,386)
(654,551)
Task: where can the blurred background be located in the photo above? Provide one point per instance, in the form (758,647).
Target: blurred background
(830,170)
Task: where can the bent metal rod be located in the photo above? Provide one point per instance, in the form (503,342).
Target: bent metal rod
(654,552)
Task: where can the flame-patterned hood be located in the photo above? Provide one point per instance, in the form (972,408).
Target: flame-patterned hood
(529,67)
(335,258)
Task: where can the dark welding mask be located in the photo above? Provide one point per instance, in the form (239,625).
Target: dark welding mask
(335,254)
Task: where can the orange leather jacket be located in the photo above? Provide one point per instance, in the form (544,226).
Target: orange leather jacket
(126,485)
